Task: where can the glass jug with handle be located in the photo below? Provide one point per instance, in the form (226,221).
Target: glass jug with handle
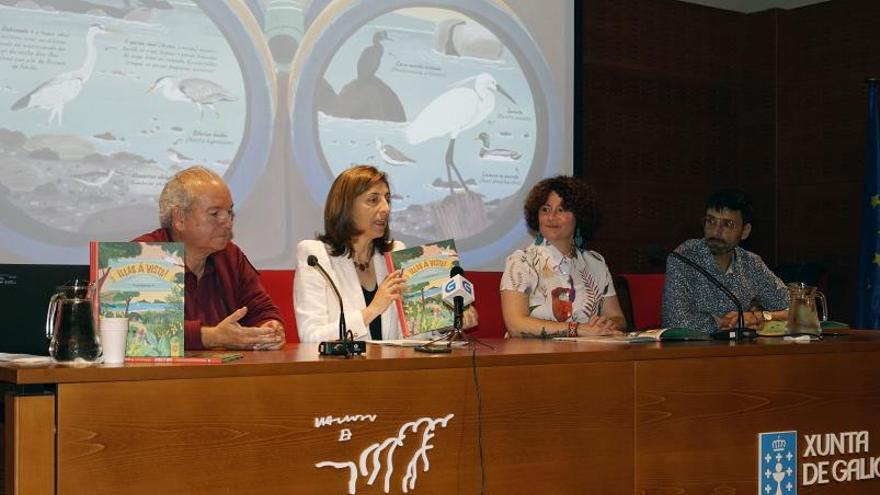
(803,316)
(70,324)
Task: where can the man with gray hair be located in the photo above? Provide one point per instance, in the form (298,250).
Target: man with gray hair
(224,305)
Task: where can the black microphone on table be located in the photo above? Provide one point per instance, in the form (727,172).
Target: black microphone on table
(738,333)
(458,292)
(346,345)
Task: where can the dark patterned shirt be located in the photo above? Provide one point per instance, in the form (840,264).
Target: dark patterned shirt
(692,301)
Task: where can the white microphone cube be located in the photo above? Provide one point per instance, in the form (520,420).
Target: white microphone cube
(458,286)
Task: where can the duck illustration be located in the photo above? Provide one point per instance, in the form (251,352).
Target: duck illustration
(496,154)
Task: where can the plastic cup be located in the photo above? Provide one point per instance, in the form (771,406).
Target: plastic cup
(114,332)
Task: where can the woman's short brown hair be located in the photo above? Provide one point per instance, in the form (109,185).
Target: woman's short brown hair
(339,227)
(577,197)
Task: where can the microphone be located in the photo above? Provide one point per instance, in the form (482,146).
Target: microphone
(458,292)
(346,345)
(738,333)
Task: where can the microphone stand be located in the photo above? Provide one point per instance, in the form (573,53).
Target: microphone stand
(740,332)
(346,345)
(456,334)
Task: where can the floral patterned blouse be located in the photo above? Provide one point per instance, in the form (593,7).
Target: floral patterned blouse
(559,288)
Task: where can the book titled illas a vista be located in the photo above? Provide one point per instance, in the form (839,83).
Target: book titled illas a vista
(142,281)
(425,269)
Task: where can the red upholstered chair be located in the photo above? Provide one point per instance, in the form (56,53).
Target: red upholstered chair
(488,303)
(641,298)
(279,286)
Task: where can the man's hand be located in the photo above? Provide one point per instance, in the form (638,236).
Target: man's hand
(279,330)
(230,334)
(730,320)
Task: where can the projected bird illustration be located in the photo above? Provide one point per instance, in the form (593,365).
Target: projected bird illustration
(392,155)
(200,92)
(368,97)
(456,110)
(95,179)
(496,154)
(371,57)
(53,94)
(177,157)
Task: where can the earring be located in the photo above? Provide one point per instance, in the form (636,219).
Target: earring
(578,239)
(539,239)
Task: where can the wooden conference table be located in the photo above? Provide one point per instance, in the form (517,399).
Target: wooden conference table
(555,418)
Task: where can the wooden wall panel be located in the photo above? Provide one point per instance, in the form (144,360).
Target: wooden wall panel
(675,100)
(660,82)
(826,52)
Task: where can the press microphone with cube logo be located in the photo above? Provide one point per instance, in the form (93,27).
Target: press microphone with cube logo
(458,292)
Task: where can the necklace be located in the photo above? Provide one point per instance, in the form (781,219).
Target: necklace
(564,266)
(363,266)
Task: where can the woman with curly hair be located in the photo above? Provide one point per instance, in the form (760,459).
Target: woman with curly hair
(557,287)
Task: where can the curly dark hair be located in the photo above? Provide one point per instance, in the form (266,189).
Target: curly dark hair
(577,197)
(339,228)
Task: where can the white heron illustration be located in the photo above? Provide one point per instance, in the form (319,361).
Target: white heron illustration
(496,154)
(201,92)
(456,110)
(62,89)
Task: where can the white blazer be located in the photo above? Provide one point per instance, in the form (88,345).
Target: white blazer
(317,310)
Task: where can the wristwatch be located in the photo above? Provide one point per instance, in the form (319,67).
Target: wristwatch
(767,316)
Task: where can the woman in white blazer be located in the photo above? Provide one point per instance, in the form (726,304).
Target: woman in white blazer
(351,250)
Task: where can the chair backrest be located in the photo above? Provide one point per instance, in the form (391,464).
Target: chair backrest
(488,304)
(641,297)
(279,285)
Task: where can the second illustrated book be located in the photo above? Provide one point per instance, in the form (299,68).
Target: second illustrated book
(425,268)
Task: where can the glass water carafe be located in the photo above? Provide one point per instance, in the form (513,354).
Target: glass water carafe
(70,324)
(803,315)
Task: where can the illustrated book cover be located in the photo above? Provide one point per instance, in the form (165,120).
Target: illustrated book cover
(425,269)
(142,281)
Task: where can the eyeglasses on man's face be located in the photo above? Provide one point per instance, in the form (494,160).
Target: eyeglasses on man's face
(712,222)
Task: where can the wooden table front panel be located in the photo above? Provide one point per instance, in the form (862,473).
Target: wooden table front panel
(552,428)
(28,444)
(698,420)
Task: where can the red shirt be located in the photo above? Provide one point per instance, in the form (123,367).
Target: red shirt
(228,283)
